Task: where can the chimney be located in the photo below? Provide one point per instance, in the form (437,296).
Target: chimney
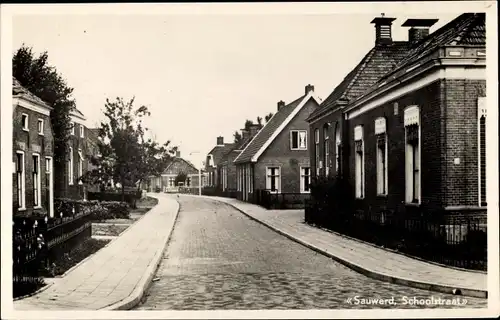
(245,134)
(383,30)
(177,154)
(220,141)
(309,88)
(254,128)
(419,28)
(281,104)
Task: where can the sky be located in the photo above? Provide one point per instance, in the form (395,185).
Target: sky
(201,76)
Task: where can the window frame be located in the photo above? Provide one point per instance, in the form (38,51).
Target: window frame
(298,148)
(302,179)
(381,131)
(413,157)
(40,128)
(338,143)
(71,167)
(26,125)
(21,187)
(37,186)
(326,148)
(82,131)
(80,167)
(482,113)
(316,150)
(73,126)
(269,177)
(359,163)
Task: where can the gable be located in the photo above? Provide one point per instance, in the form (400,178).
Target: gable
(180,165)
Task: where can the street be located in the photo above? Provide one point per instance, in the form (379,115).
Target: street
(218,258)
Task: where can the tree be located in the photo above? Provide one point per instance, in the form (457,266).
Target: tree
(268,117)
(125,155)
(248,124)
(237,137)
(43,80)
(259,121)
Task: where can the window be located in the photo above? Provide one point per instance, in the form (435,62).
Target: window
(21,180)
(326,147)
(305,179)
(70,166)
(25,122)
(49,185)
(316,150)
(298,140)
(273,179)
(73,125)
(37,187)
(171,181)
(338,142)
(381,135)
(188,182)
(359,162)
(482,150)
(80,166)
(40,126)
(82,131)
(412,154)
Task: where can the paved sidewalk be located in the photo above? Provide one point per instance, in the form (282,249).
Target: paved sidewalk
(116,276)
(365,258)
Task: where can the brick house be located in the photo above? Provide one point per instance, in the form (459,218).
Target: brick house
(166,182)
(69,182)
(407,125)
(213,160)
(227,168)
(33,152)
(277,159)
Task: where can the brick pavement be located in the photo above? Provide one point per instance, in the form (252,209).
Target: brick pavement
(117,275)
(370,260)
(218,258)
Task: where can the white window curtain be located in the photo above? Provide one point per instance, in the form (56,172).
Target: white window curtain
(381,147)
(412,154)
(70,166)
(482,111)
(359,161)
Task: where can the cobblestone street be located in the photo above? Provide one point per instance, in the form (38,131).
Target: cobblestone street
(218,258)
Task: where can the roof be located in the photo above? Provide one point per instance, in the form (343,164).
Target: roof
(19,91)
(466,29)
(177,160)
(271,129)
(377,62)
(237,147)
(219,151)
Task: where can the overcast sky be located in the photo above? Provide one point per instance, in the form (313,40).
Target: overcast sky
(202,75)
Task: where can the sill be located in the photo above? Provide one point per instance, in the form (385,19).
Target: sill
(382,195)
(298,149)
(21,209)
(305,192)
(70,183)
(38,207)
(40,134)
(412,204)
(25,129)
(358,198)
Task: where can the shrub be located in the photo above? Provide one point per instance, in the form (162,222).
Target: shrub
(117,209)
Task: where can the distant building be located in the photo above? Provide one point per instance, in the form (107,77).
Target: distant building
(213,160)
(277,158)
(33,153)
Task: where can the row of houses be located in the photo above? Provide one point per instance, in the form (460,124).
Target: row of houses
(406,127)
(36,181)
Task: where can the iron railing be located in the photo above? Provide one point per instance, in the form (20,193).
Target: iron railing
(430,234)
(270,200)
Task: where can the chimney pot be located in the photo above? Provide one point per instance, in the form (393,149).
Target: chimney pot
(383,30)
(419,28)
(281,104)
(220,141)
(309,88)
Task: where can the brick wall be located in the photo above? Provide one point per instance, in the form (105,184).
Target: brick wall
(280,154)
(31,142)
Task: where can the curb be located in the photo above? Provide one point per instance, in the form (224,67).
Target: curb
(370,273)
(139,290)
(45,287)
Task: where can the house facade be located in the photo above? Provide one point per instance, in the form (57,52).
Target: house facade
(33,153)
(412,134)
(227,168)
(167,181)
(277,158)
(77,161)
(213,159)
